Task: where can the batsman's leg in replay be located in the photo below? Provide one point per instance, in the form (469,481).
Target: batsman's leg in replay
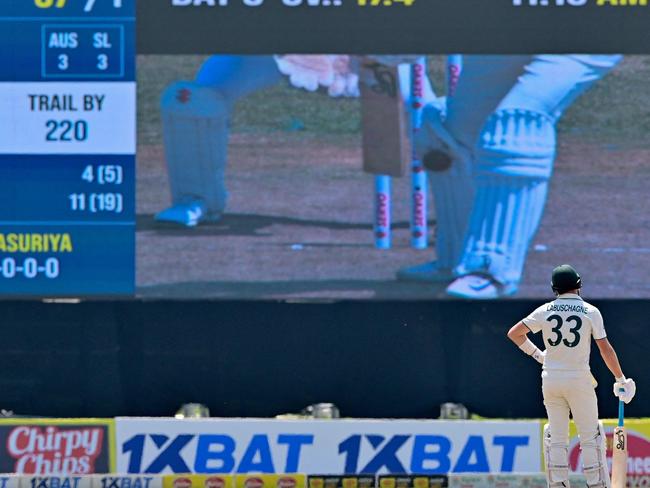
(447,136)
(195,117)
(513,162)
(503,114)
(511,173)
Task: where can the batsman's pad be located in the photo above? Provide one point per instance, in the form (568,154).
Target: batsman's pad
(514,161)
(195,135)
(594,459)
(556,459)
(451,182)
(453,195)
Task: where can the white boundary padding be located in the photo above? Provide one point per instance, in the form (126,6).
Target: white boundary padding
(467,480)
(81,481)
(126,481)
(9,481)
(507,481)
(55,481)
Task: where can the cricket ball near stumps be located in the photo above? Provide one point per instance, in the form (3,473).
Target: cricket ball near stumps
(436,160)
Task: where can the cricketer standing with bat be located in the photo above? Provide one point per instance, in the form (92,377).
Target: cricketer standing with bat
(567,324)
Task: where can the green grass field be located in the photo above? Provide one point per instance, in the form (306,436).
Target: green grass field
(623,95)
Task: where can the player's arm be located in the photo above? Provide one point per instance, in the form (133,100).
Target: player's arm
(519,335)
(624,388)
(609,356)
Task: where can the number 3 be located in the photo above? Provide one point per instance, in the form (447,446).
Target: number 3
(63,62)
(558,332)
(574,330)
(102,62)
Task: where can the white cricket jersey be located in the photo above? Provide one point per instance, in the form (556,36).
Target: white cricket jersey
(567,323)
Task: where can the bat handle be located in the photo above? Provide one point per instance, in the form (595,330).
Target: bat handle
(621,410)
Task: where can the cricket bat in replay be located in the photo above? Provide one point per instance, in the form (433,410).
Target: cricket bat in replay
(386,145)
(619,451)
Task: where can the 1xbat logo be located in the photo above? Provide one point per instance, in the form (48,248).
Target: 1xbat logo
(125,481)
(55,482)
(368,454)
(213,453)
(429,454)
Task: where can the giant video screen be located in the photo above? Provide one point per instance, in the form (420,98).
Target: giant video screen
(294,176)
(317,171)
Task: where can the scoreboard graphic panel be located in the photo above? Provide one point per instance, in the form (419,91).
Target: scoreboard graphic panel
(67,147)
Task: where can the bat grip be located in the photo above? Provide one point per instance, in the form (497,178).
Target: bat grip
(621,410)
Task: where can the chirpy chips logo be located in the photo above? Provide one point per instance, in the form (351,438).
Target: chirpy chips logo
(50,450)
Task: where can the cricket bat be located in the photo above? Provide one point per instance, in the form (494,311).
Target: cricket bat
(619,451)
(386,145)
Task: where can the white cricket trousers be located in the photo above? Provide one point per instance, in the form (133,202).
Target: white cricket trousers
(566,394)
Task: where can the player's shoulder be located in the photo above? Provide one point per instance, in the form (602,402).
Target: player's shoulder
(590,309)
(543,308)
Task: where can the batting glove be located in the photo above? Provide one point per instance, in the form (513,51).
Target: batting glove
(624,389)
